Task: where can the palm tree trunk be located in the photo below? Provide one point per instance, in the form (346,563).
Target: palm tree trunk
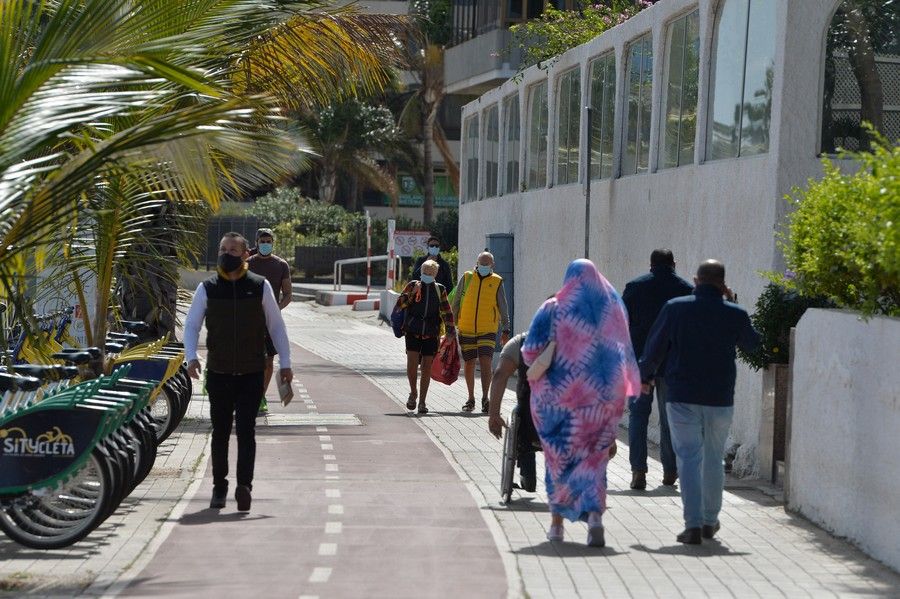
(328,182)
(428,191)
(865,70)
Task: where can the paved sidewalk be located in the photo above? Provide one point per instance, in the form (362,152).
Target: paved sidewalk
(762,551)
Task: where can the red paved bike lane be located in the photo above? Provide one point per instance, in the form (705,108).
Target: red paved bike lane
(368,510)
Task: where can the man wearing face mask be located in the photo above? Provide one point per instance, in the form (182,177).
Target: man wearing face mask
(434,253)
(479,309)
(239,308)
(278,272)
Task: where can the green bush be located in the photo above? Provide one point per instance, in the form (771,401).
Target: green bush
(278,206)
(777,310)
(843,239)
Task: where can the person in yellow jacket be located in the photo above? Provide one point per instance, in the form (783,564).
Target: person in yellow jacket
(480,309)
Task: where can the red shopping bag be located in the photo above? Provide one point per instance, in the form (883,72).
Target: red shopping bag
(445,367)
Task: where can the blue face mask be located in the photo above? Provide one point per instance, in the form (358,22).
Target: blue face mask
(433,251)
(484,270)
(265,248)
(427,279)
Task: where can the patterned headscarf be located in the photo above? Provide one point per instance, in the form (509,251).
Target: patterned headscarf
(587,319)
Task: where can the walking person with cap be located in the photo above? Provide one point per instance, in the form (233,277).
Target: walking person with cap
(277,271)
(695,337)
(239,308)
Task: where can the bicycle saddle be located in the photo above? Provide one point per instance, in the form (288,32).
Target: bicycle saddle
(125,337)
(38,371)
(27,383)
(114,348)
(135,326)
(75,357)
(66,373)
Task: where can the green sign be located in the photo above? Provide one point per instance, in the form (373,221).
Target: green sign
(411,195)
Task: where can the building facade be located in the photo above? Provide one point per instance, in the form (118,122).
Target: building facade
(703,117)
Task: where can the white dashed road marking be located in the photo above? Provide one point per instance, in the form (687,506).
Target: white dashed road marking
(320,575)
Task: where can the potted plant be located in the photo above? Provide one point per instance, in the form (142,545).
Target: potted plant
(778,310)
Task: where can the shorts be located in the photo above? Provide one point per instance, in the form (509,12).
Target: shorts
(477,345)
(270,347)
(425,346)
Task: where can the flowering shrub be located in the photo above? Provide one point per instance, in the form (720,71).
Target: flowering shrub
(542,40)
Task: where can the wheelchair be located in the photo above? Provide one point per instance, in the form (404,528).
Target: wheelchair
(514,442)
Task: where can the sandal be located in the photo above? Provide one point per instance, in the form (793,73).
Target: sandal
(469,405)
(556,533)
(411,402)
(422,409)
(485,404)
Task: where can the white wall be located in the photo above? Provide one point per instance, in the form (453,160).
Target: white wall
(845,425)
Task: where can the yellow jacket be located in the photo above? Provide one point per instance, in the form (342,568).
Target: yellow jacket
(480,304)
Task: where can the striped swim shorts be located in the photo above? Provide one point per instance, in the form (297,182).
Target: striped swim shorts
(477,345)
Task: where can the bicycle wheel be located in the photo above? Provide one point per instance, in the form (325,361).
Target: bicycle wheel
(508,467)
(163,411)
(62,518)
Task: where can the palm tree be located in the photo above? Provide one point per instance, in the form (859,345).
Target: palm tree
(115,112)
(419,117)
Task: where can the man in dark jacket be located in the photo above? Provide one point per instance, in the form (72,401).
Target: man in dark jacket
(696,337)
(644,297)
(239,308)
(444,277)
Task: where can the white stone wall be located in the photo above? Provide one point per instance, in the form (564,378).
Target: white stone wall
(845,424)
(724,209)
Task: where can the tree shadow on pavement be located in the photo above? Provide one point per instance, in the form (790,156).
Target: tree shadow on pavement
(211,516)
(568,549)
(707,549)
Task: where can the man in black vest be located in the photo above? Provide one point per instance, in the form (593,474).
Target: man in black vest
(239,307)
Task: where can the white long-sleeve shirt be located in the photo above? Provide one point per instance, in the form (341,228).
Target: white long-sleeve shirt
(274,322)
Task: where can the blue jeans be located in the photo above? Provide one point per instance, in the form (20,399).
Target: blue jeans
(698,436)
(639,409)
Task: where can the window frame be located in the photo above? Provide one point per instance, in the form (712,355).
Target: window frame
(662,163)
(486,124)
(598,112)
(574,76)
(645,40)
(532,93)
(511,100)
(471,195)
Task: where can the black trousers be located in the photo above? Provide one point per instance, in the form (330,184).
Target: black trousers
(234,396)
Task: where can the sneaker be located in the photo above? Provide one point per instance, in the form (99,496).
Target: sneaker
(555,534)
(596,537)
(243,498)
(670,478)
(263,408)
(528,483)
(485,405)
(219,496)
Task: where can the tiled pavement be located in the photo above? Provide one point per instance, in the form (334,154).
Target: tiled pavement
(762,551)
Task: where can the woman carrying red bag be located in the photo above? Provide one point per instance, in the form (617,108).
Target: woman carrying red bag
(426,306)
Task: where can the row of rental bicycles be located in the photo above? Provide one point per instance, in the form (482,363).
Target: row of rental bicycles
(74,445)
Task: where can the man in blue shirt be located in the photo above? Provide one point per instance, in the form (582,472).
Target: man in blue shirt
(696,337)
(644,297)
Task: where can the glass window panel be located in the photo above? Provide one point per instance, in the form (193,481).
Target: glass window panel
(646,104)
(671,125)
(636,153)
(629,156)
(758,75)
(608,110)
(491,151)
(472,159)
(723,135)
(574,124)
(679,119)
(511,143)
(537,136)
(562,129)
(690,90)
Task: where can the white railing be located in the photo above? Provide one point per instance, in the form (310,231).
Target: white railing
(339,264)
